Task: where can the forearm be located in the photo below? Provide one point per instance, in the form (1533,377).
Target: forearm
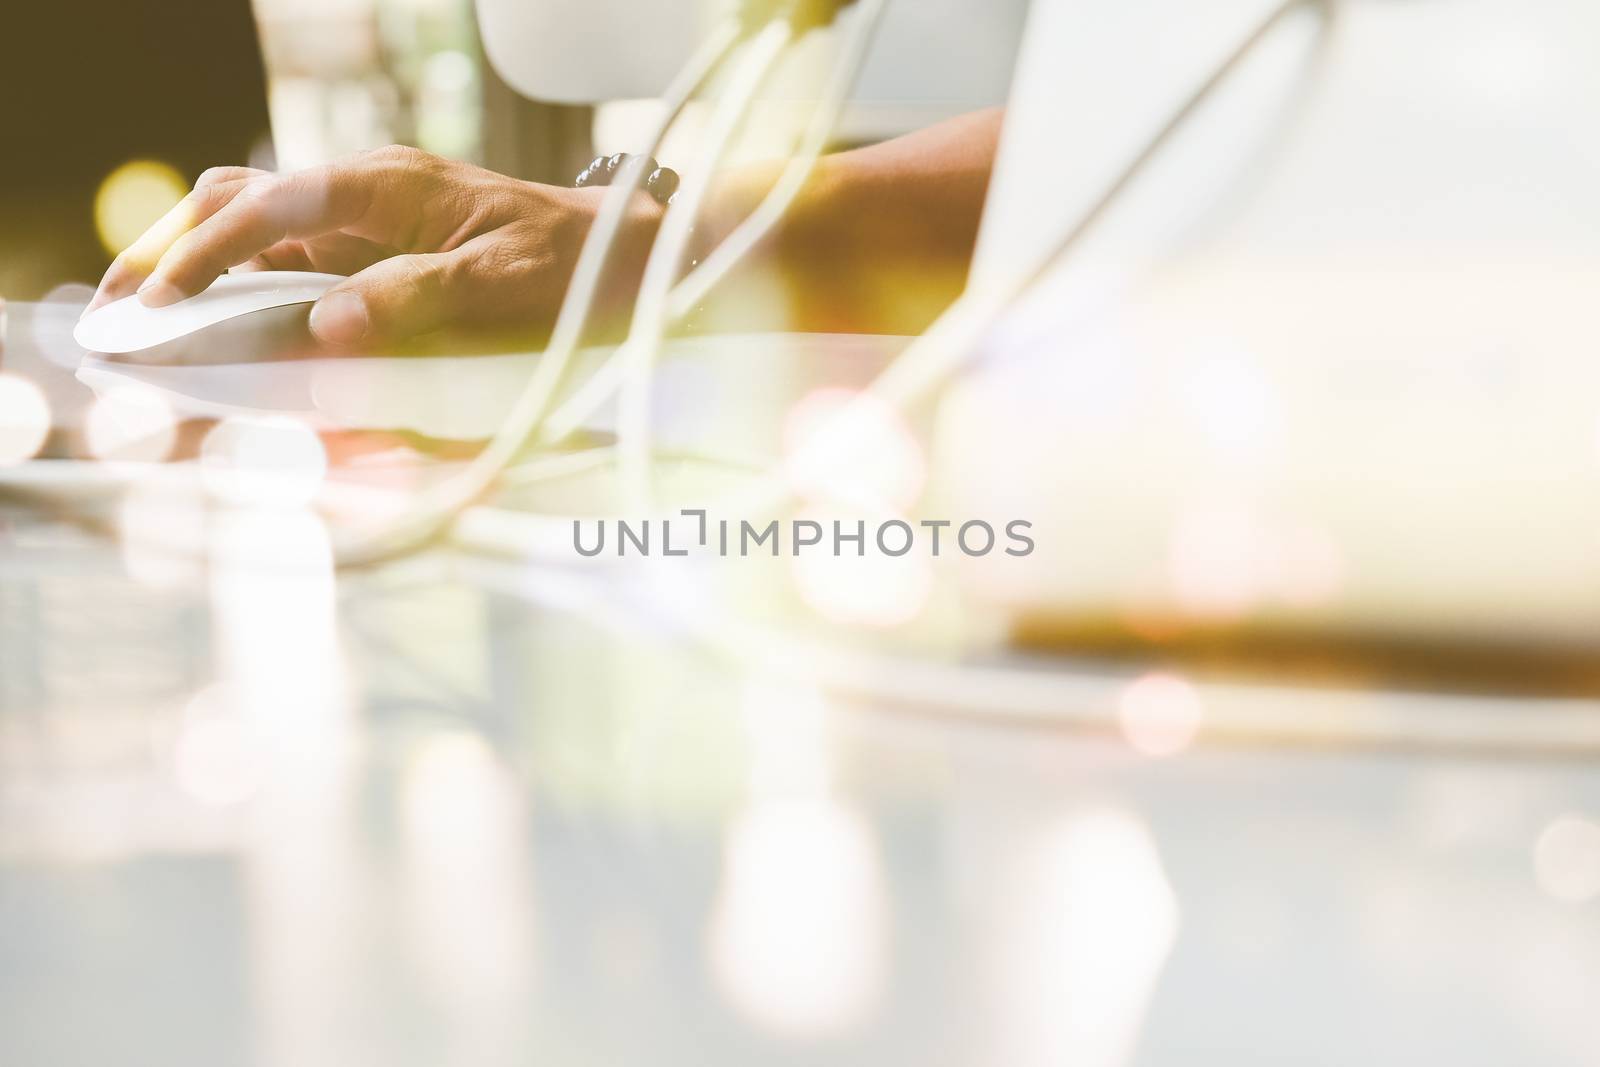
(881,238)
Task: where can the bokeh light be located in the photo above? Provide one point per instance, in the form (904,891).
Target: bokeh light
(455,797)
(866,458)
(1087,921)
(24,419)
(1219,558)
(798,938)
(271,461)
(1310,568)
(131,423)
(787,730)
(216,758)
(1160,714)
(1566,859)
(463,832)
(132,198)
(873,589)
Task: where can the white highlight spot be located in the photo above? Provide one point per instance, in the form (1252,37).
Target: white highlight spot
(1160,714)
(797,939)
(272,462)
(867,458)
(1566,859)
(216,757)
(24,420)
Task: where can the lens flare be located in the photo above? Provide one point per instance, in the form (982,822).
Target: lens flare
(24,420)
(132,198)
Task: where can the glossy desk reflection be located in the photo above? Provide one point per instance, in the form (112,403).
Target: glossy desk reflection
(255,816)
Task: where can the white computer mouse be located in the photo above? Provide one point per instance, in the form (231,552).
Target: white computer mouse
(126,325)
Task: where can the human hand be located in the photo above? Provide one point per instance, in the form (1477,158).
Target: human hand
(429,243)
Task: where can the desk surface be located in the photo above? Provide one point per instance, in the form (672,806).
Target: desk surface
(254,816)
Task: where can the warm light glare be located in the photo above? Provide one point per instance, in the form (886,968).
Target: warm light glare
(24,420)
(1160,714)
(132,198)
(1566,859)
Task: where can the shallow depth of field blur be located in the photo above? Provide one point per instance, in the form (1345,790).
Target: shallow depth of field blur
(257,810)
(115,109)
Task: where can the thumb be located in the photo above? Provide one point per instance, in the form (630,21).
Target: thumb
(391,300)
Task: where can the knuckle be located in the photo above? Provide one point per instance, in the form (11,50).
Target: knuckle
(401,154)
(213,176)
(507,260)
(427,275)
(257,190)
(125,267)
(205,198)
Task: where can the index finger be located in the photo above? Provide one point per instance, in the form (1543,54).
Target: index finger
(133,264)
(262,213)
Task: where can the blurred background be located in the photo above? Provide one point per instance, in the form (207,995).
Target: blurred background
(463,811)
(120,106)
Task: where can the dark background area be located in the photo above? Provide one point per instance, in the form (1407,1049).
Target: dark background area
(87,85)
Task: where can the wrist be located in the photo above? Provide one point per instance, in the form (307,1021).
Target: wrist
(630,249)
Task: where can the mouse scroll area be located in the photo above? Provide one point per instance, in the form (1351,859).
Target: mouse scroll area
(126,325)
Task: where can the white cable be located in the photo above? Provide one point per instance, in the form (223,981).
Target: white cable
(435,507)
(638,353)
(940,351)
(692,289)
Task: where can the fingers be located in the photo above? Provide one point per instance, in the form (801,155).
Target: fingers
(397,298)
(258,214)
(223,175)
(285,255)
(215,189)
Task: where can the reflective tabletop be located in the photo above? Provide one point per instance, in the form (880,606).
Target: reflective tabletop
(259,815)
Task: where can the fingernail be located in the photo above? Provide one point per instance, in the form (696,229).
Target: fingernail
(158,293)
(340,318)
